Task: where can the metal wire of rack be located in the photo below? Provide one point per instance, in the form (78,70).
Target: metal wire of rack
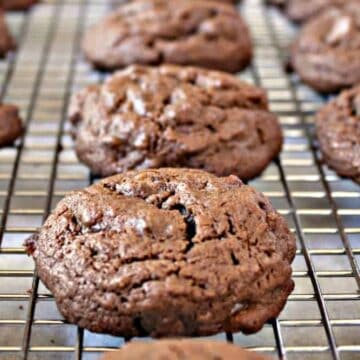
(322,317)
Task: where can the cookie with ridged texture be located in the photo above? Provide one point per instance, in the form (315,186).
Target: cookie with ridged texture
(301,11)
(10,124)
(184,32)
(150,117)
(182,349)
(7,42)
(167,252)
(327,51)
(17,5)
(338,133)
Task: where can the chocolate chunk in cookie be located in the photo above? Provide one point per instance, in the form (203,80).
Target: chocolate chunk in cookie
(144,117)
(181,349)
(10,124)
(166,252)
(338,132)
(6,41)
(17,5)
(327,52)
(185,32)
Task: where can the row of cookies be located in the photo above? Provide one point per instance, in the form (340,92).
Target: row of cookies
(169,251)
(154,32)
(326,55)
(87,264)
(161,249)
(173,115)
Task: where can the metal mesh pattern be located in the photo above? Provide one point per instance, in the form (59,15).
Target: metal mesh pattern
(322,317)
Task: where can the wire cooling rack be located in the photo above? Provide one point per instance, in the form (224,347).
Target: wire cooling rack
(322,317)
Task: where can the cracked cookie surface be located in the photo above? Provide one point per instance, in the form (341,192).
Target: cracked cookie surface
(144,117)
(327,51)
(182,349)
(166,252)
(10,124)
(338,132)
(184,32)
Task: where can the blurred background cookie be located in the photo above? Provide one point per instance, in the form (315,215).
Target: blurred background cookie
(202,33)
(17,5)
(7,42)
(338,132)
(327,51)
(10,124)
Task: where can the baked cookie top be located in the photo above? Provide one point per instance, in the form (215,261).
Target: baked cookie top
(327,51)
(166,252)
(338,132)
(185,32)
(10,124)
(144,117)
(186,349)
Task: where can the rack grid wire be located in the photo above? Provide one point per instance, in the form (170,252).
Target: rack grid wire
(322,317)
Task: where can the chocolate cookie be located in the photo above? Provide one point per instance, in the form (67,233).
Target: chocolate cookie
(17,5)
(300,10)
(186,32)
(145,117)
(338,132)
(10,124)
(6,41)
(181,349)
(327,52)
(166,252)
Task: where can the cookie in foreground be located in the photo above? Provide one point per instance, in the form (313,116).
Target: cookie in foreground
(167,252)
